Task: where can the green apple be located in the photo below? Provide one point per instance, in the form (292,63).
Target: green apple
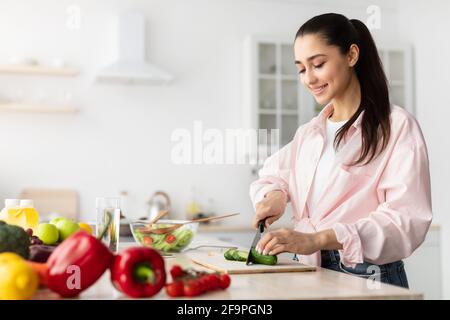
(55,220)
(66,228)
(48,233)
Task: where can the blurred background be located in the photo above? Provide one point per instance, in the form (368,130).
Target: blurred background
(92,92)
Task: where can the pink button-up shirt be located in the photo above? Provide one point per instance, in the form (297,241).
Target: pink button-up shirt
(380,212)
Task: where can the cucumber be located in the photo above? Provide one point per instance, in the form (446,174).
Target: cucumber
(164,246)
(240,255)
(264,259)
(235,255)
(229,254)
(183,239)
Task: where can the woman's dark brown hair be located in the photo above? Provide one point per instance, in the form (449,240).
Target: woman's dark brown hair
(341,32)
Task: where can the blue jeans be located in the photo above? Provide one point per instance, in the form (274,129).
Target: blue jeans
(392,273)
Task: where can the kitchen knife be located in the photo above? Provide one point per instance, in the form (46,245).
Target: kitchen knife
(256,239)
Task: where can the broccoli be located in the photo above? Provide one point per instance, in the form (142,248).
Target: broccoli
(14,239)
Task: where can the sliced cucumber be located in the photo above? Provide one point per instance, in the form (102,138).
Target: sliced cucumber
(264,259)
(235,255)
(240,255)
(229,254)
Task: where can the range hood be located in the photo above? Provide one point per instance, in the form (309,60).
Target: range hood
(131,66)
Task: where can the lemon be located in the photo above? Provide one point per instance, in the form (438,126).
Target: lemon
(85,227)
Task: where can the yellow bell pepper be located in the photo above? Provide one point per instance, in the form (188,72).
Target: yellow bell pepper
(18,281)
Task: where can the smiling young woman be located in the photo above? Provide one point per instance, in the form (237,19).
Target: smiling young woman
(357,175)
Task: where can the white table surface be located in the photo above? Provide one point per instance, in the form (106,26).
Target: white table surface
(321,284)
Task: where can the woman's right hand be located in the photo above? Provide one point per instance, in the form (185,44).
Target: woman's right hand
(270,208)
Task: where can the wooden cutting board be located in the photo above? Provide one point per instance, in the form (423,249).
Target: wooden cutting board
(214,260)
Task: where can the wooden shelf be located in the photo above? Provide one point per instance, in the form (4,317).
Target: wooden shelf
(39,70)
(16,107)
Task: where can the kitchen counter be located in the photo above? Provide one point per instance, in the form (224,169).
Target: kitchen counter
(321,284)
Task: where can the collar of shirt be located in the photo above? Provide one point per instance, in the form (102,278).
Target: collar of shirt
(319,122)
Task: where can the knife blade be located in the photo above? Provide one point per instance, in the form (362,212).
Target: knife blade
(256,239)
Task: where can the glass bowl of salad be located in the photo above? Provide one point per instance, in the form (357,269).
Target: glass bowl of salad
(173,241)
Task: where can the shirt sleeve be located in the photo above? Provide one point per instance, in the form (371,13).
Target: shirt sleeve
(274,175)
(399,225)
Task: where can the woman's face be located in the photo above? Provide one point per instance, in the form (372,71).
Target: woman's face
(324,71)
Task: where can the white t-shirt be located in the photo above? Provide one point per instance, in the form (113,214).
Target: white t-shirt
(324,166)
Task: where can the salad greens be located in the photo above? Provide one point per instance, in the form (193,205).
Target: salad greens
(174,241)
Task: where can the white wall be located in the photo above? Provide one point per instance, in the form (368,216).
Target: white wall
(121,138)
(425,25)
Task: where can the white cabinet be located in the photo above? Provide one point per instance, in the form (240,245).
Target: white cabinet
(273,97)
(276,89)
(397,63)
(423,267)
(272,94)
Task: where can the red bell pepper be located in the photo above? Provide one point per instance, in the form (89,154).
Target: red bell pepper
(77,263)
(138,272)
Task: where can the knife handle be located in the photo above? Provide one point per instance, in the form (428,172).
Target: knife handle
(261,225)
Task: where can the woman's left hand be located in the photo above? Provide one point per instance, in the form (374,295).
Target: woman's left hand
(288,240)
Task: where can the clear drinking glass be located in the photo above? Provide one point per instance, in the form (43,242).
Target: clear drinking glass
(108,221)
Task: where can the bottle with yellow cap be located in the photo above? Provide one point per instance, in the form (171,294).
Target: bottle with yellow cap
(10,204)
(20,213)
